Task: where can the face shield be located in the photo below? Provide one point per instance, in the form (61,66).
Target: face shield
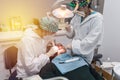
(81,3)
(76,4)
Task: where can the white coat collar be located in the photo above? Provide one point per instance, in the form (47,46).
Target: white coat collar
(89,17)
(29,32)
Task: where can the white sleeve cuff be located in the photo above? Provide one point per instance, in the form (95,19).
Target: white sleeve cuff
(76,46)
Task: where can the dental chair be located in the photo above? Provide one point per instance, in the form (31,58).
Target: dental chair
(10,58)
(97,59)
(37,77)
(97,56)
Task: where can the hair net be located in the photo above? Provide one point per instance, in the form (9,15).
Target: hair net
(82,3)
(49,24)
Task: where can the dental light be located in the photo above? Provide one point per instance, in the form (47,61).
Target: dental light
(61,13)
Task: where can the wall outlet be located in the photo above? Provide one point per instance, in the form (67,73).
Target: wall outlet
(108,59)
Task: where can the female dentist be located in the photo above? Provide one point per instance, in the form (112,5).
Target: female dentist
(32,55)
(85,29)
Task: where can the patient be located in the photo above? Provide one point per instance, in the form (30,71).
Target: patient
(61,49)
(32,55)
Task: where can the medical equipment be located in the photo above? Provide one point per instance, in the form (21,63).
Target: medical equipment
(116,70)
(70,60)
(62,13)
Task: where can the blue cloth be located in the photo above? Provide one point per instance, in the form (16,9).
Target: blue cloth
(93,12)
(68,66)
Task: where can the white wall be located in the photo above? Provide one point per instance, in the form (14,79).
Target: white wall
(26,9)
(111,43)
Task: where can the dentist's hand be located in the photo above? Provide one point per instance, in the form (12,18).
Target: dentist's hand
(61,50)
(68,27)
(69,46)
(52,51)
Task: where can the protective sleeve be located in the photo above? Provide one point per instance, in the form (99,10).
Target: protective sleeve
(88,44)
(66,33)
(71,33)
(32,64)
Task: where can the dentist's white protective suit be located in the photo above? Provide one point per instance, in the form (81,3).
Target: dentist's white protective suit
(87,35)
(31,54)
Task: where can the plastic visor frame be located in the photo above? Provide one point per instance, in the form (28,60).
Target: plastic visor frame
(82,4)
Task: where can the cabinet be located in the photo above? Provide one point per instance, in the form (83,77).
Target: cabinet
(9,38)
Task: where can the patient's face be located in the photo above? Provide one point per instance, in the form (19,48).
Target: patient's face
(61,48)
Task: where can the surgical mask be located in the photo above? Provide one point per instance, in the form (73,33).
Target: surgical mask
(81,13)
